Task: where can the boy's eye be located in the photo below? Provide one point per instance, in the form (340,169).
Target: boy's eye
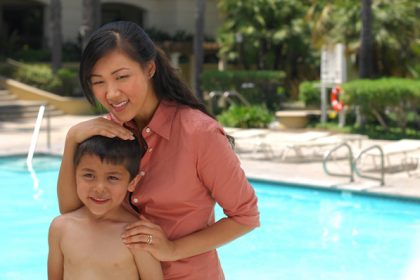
(88,176)
(113,178)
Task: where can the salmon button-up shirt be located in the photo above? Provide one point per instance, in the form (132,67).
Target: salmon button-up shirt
(189,166)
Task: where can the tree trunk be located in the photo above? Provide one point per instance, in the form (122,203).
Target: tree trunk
(365,54)
(91,19)
(198,46)
(56,35)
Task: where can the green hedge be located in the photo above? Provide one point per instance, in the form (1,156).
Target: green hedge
(383,97)
(255,116)
(258,87)
(387,101)
(310,93)
(37,75)
(65,83)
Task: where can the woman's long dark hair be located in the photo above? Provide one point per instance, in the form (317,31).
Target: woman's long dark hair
(133,41)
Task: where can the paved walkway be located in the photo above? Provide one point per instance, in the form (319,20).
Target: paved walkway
(259,152)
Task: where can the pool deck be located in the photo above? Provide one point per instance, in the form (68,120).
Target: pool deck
(15,138)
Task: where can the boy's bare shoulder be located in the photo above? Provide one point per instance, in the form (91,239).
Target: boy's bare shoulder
(65,219)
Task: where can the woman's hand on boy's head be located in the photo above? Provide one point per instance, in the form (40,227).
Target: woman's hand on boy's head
(145,235)
(98,126)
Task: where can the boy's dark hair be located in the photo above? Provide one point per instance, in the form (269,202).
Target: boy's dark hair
(112,150)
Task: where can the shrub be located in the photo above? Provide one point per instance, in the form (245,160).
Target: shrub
(26,54)
(380,98)
(39,76)
(246,116)
(65,83)
(310,93)
(69,82)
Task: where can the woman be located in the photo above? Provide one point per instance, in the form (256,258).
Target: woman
(188,165)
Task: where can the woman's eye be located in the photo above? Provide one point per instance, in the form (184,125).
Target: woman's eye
(94,83)
(121,77)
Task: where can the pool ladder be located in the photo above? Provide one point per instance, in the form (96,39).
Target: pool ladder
(35,135)
(34,140)
(353,161)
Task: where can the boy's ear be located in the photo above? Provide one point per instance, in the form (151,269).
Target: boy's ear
(133,183)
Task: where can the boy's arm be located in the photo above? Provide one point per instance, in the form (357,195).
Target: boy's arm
(55,255)
(149,268)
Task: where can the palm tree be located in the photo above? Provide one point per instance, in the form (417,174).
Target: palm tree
(56,35)
(198,46)
(365,53)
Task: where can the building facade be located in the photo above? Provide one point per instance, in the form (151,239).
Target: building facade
(28,20)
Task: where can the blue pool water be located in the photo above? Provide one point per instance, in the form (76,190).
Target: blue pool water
(305,233)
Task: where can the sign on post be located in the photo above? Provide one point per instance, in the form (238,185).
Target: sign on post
(333,72)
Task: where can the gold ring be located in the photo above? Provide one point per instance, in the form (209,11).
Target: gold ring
(149,239)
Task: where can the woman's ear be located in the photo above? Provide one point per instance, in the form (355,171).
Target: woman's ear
(151,69)
(133,183)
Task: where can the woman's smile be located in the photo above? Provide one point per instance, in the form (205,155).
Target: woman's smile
(119,106)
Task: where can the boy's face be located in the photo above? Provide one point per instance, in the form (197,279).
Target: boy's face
(102,186)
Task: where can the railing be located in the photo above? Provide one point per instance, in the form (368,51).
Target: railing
(328,155)
(226,98)
(353,163)
(34,140)
(382,168)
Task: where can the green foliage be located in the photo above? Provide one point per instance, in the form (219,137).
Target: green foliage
(69,81)
(99,109)
(269,35)
(378,99)
(395,32)
(309,93)
(7,70)
(372,131)
(40,75)
(246,117)
(158,35)
(72,52)
(27,54)
(258,87)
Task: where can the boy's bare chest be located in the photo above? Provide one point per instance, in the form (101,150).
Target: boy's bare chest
(97,251)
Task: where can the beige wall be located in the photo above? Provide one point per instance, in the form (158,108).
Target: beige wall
(166,15)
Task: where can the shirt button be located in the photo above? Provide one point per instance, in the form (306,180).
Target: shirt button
(147,129)
(142,173)
(135,200)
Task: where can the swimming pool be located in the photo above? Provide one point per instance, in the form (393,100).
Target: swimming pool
(305,233)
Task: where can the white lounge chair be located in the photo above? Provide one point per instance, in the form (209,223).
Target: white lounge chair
(280,145)
(396,154)
(318,146)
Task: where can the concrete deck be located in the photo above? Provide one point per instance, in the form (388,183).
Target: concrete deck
(258,152)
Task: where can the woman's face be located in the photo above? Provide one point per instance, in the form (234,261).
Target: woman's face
(123,87)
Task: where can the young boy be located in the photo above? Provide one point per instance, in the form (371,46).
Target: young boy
(86,243)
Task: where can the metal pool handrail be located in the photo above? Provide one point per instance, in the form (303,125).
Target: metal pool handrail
(381,152)
(35,135)
(350,157)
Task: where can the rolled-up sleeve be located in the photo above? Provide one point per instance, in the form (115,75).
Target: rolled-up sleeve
(220,171)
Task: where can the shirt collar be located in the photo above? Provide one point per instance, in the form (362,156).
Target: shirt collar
(161,122)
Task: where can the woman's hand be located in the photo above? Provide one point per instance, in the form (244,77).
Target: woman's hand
(98,126)
(145,235)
